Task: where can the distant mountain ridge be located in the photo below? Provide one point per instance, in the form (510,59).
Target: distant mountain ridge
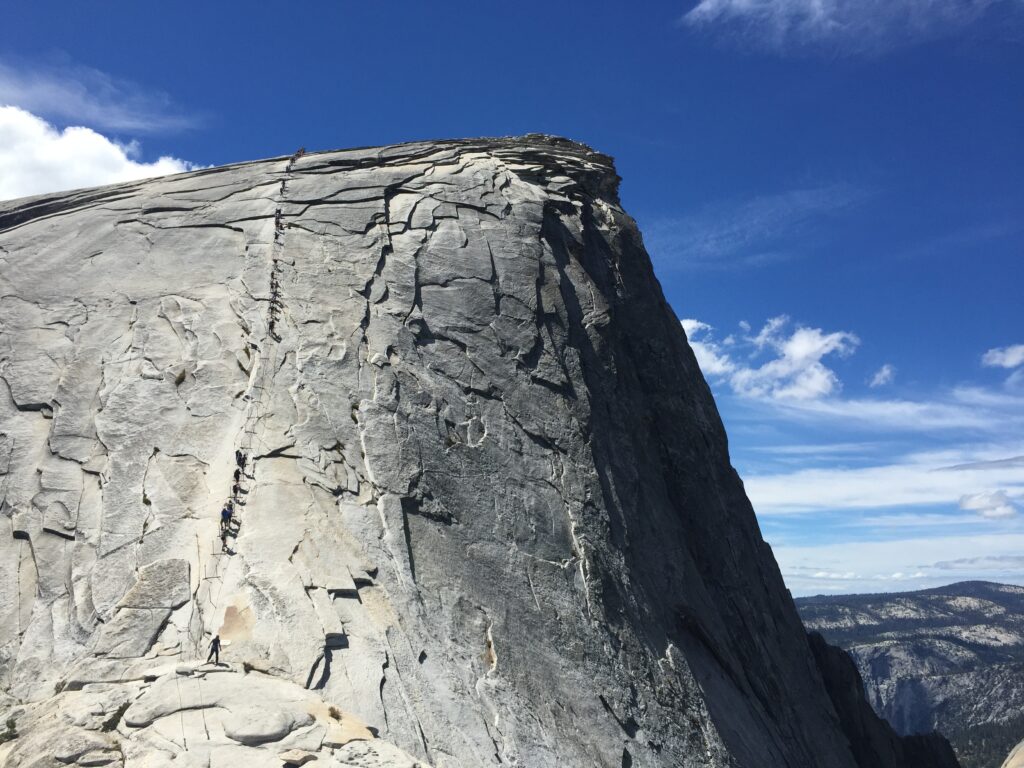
(949,658)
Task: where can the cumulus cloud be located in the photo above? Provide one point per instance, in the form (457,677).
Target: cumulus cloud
(883,376)
(1004,357)
(795,370)
(37,157)
(797,381)
(72,94)
(994,505)
(712,360)
(797,373)
(857,26)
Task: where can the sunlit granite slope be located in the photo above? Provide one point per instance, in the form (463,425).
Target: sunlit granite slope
(487,514)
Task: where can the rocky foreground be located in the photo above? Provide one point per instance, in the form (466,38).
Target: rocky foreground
(949,658)
(486,514)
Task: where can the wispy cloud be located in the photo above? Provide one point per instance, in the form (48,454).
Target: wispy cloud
(983,563)
(944,411)
(883,376)
(914,480)
(748,233)
(908,563)
(854,26)
(36,157)
(1013,461)
(71,94)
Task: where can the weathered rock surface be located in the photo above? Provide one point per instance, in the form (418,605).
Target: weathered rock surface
(949,658)
(488,515)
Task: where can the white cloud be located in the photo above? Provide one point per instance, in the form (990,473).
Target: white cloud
(883,376)
(795,373)
(993,505)
(798,383)
(911,563)
(36,157)
(851,25)
(1004,357)
(73,94)
(983,563)
(817,449)
(712,360)
(920,479)
(946,412)
(1012,461)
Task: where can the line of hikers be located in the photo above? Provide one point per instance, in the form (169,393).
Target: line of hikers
(291,160)
(275,287)
(275,302)
(228,523)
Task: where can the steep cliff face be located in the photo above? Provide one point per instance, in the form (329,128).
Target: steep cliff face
(873,740)
(486,517)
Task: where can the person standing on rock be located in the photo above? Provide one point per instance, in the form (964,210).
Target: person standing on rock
(214,650)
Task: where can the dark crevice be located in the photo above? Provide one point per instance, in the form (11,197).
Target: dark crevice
(408,541)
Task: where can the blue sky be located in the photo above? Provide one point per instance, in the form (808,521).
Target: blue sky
(830,191)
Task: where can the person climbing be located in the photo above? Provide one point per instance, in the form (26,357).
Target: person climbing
(240,459)
(236,486)
(214,650)
(224,542)
(225,517)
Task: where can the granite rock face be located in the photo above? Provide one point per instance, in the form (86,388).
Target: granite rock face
(487,515)
(872,739)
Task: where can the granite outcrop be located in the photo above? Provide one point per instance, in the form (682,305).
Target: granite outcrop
(484,514)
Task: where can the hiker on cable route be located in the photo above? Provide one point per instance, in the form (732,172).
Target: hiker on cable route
(226,515)
(214,650)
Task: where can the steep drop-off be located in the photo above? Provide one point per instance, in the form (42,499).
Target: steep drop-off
(487,515)
(950,658)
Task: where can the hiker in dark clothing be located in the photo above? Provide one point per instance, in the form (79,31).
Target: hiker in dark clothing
(224,542)
(236,487)
(214,650)
(225,517)
(240,459)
